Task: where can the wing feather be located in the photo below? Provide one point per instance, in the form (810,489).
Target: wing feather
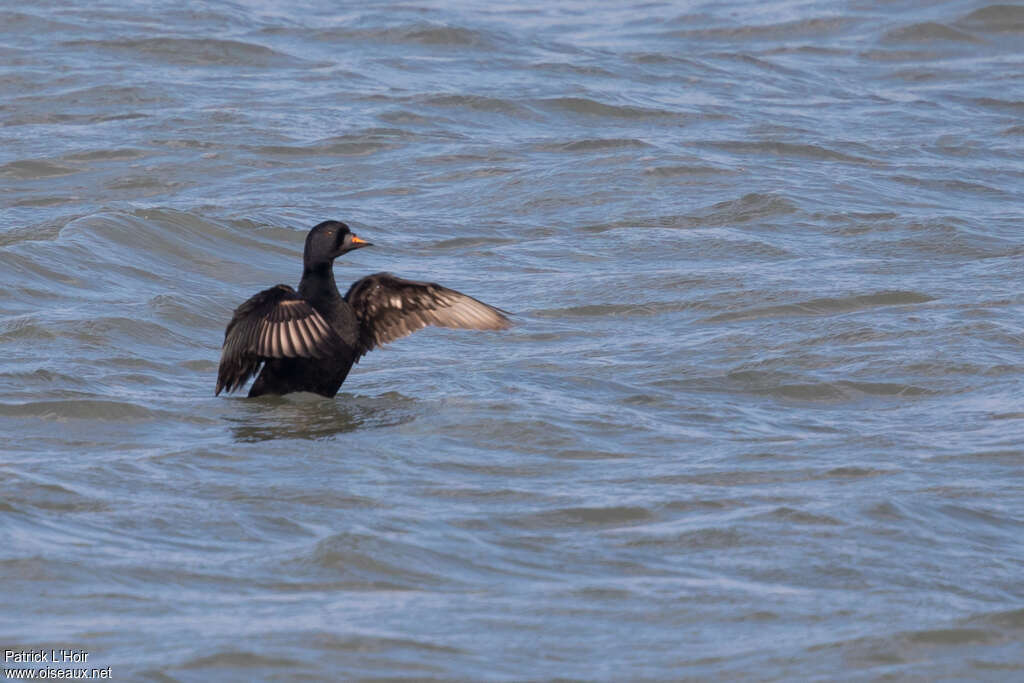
(295,339)
(302,328)
(389,308)
(268,326)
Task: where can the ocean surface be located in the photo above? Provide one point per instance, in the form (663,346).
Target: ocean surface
(760,417)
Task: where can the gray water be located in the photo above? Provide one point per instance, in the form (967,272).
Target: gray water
(759,417)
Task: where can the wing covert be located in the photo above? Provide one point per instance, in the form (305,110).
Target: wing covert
(276,323)
(390,307)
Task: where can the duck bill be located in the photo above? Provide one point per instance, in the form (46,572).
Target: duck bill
(358,242)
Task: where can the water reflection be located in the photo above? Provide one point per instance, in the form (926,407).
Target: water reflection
(308,416)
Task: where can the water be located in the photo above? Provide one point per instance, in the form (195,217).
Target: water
(759,417)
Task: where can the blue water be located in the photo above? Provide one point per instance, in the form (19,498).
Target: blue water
(759,417)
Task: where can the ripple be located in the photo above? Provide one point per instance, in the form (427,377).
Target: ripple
(995,19)
(614,516)
(789,30)
(594,145)
(606,310)
(100,98)
(928,31)
(749,208)
(842,391)
(999,104)
(591,107)
(24,327)
(364,643)
(371,562)
(29,495)
(947,185)
(239,660)
(575,69)
(686,170)
(195,51)
(20,22)
(696,540)
(858,472)
(950,636)
(344,146)
(80,409)
(415,34)
(1009,619)
(790,149)
(480,103)
(789,515)
(114,154)
(455,36)
(470,242)
(34,169)
(826,306)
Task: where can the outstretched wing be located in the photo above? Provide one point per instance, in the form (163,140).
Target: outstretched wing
(389,308)
(276,323)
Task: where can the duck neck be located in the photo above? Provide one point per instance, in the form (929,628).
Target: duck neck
(317,284)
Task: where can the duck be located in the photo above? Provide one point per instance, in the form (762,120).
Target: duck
(308,340)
